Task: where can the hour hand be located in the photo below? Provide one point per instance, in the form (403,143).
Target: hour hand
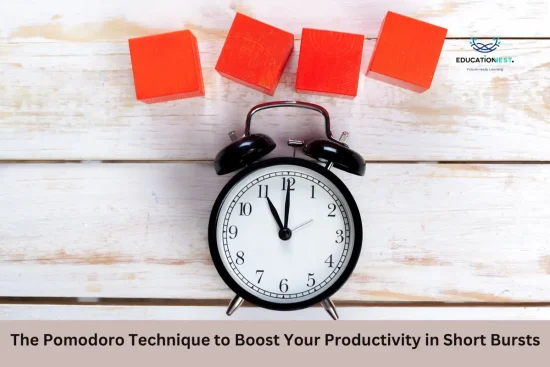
(275,214)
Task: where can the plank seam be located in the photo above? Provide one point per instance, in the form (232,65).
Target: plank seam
(8,42)
(206,161)
(223,302)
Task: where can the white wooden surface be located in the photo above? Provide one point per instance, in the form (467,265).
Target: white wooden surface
(434,232)
(77,101)
(57,312)
(66,20)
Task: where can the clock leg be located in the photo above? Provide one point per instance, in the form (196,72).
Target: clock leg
(343,138)
(235,303)
(328,305)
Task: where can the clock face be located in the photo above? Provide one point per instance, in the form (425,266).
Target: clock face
(285,233)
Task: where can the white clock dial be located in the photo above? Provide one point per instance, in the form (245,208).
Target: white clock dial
(265,263)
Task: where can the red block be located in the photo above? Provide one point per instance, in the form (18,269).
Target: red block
(406,52)
(255,54)
(166,67)
(329,63)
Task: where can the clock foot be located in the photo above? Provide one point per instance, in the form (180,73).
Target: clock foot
(328,305)
(235,303)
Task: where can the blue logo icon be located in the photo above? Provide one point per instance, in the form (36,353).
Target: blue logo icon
(485,48)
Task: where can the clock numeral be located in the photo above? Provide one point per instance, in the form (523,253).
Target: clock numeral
(262,193)
(340,236)
(313,191)
(261,275)
(332,208)
(233,232)
(246,209)
(283,287)
(290,181)
(310,280)
(329,261)
(240,258)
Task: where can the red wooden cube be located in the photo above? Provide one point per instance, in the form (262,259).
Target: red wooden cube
(166,67)
(406,52)
(329,63)
(255,54)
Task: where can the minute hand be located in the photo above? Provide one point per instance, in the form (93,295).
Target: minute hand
(287,204)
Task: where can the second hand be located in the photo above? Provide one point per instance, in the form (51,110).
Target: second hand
(302,225)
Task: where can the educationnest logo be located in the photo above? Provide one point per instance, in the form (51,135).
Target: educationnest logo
(485,62)
(484,47)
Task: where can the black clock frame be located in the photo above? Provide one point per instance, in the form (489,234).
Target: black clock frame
(346,272)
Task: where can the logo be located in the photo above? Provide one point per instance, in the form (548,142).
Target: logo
(484,48)
(486,62)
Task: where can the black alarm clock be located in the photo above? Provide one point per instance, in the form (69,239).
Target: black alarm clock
(285,233)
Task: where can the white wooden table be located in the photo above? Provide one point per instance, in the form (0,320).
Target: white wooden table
(105,198)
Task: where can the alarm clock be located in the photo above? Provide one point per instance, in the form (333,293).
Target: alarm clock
(285,233)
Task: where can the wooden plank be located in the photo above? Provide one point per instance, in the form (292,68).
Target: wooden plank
(77,101)
(449,232)
(116,20)
(80,312)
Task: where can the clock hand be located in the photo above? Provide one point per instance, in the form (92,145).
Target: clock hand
(275,214)
(302,225)
(287,204)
